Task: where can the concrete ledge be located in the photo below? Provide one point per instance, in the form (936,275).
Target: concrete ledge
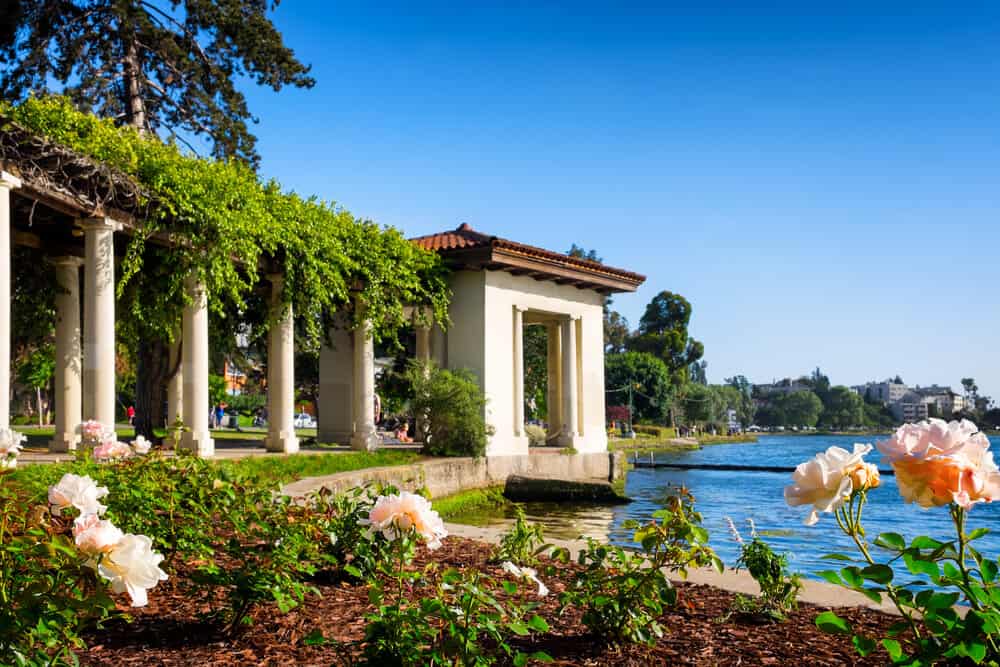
(445,476)
(819,593)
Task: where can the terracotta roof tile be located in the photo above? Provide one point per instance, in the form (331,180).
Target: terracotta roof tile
(466,238)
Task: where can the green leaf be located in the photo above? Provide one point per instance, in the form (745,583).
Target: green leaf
(852,575)
(880,574)
(891,541)
(977,533)
(863,645)
(830,622)
(832,577)
(538,623)
(925,542)
(843,557)
(893,648)
(919,566)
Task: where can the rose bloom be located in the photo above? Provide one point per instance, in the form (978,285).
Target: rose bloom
(827,480)
(525,573)
(10,442)
(95,535)
(141,445)
(395,515)
(938,463)
(92,432)
(79,492)
(132,566)
(112,449)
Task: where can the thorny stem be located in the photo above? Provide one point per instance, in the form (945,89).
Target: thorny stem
(849,521)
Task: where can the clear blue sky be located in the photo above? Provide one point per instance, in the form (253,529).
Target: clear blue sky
(823,185)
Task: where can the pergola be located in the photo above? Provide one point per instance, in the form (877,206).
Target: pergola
(501,286)
(50,197)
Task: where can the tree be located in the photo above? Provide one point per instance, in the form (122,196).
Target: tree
(648,378)
(536,370)
(663,332)
(745,407)
(844,408)
(155,66)
(971,390)
(800,408)
(698,372)
(616,329)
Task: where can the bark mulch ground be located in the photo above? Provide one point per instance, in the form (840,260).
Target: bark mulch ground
(170,631)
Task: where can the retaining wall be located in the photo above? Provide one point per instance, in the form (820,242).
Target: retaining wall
(445,476)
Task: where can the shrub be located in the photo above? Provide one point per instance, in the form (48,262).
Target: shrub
(537,436)
(778,588)
(521,544)
(660,432)
(454,408)
(623,593)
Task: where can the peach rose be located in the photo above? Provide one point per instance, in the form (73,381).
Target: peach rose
(395,515)
(938,463)
(827,480)
(95,535)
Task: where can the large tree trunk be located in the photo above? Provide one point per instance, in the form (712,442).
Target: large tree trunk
(151,375)
(135,105)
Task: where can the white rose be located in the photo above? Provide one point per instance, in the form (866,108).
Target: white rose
(133,566)
(79,492)
(825,480)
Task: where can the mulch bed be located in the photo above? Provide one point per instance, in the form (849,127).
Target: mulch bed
(170,631)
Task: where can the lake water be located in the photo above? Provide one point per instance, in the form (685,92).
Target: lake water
(759,496)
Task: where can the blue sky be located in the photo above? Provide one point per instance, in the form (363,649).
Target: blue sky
(821,184)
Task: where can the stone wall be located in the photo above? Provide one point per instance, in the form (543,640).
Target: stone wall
(445,476)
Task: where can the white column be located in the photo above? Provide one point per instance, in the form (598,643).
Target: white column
(281,373)
(69,358)
(553,362)
(175,388)
(7,183)
(518,366)
(365,437)
(423,343)
(336,388)
(569,382)
(196,437)
(99,320)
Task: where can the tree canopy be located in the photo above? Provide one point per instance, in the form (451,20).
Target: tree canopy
(169,66)
(646,375)
(663,332)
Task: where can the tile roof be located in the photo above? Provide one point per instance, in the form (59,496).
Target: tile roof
(492,252)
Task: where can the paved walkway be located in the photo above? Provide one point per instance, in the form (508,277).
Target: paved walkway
(819,593)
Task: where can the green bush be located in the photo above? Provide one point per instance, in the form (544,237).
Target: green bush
(453,409)
(622,593)
(521,544)
(660,432)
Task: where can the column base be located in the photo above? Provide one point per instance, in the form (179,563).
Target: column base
(201,444)
(514,445)
(66,442)
(284,441)
(569,441)
(365,441)
(334,437)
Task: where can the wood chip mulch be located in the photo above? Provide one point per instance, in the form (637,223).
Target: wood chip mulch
(170,630)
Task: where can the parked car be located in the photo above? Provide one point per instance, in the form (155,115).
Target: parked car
(304,420)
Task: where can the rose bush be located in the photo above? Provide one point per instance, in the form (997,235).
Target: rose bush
(936,464)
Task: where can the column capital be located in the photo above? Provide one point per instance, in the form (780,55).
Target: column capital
(66,260)
(520,309)
(103,222)
(9,181)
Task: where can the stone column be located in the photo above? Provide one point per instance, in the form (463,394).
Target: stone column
(336,388)
(365,437)
(518,365)
(196,438)
(99,320)
(423,356)
(553,362)
(175,388)
(569,382)
(69,358)
(281,373)
(7,183)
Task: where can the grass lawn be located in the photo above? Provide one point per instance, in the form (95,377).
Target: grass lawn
(269,470)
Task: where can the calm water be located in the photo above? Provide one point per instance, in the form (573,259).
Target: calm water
(758,496)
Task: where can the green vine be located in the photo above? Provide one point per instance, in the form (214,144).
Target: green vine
(230,228)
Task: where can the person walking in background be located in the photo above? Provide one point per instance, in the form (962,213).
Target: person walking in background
(220,415)
(130,412)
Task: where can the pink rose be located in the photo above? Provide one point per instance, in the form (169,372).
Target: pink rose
(95,535)
(395,515)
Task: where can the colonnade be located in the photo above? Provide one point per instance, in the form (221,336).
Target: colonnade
(85,353)
(563,390)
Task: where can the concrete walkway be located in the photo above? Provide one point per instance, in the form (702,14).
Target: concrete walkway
(820,593)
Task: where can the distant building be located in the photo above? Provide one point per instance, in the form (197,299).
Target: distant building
(733,422)
(910,407)
(945,401)
(885,393)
